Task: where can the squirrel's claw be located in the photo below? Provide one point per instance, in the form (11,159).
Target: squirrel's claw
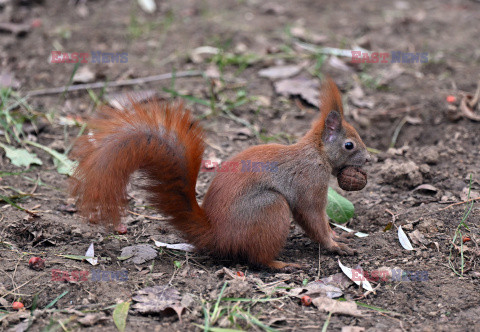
(341,249)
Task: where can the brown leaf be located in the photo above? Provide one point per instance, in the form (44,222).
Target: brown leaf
(140,253)
(417,237)
(348,308)
(280,72)
(158,299)
(92,319)
(426,188)
(305,88)
(317,288)
(336,63)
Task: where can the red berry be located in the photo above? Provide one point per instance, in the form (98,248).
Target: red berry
(36,263)
(466,238)
(451,99)
(17,305)
(306,300)
(121,229)
(240,274)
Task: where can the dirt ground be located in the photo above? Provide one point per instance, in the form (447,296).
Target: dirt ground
(434,143)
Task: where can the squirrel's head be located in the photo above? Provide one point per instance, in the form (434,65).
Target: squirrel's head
(334,136)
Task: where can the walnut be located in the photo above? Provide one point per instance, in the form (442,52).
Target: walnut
(352,178)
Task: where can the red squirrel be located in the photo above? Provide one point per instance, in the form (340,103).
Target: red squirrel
(245,215)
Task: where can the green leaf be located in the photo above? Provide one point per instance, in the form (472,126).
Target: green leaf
(61,161)
(339,208)
(21,157)
(120,315)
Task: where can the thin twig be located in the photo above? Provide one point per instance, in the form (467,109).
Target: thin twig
(145,216)
(460,203)
(17,288)
(98,85)
(397,131)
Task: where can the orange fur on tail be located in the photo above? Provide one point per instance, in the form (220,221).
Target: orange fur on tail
(160,140)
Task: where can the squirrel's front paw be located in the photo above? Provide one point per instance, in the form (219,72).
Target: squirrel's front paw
(341,249)
(344,237)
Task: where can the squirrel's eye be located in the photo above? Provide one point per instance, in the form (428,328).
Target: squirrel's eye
(349,145)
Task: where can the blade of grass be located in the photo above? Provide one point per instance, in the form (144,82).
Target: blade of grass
(327,322)
(51,304)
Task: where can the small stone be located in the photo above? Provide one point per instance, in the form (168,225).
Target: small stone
(430,155)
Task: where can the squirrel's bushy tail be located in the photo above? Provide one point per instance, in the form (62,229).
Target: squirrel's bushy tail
(160,140)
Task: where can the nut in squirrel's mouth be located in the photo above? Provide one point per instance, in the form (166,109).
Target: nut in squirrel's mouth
(357,167)
(352,178)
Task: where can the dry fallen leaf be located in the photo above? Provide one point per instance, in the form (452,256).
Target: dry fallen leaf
(417,237)
(280,72)
(307,89)
(158,299)
(404,241)
(140,253)
(176,246)
(352,329)
(426,188)
(91,253)
(83,75)
(317,288)
(148,6)
(92,319)
(336,307)
(201,53)
(336,63)
(357,278)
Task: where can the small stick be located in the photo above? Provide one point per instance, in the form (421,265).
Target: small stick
(144,215)
(98,85)
(319,263)
(394,216)
(460,203)
(397,132)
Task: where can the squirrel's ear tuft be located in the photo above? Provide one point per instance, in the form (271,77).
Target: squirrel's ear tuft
(330,98)
(333,126)
(329,124)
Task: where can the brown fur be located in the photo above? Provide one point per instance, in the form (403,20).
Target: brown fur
(244,214)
